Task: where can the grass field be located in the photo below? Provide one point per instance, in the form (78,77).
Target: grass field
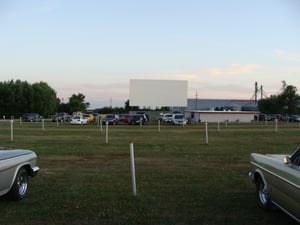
(180,179)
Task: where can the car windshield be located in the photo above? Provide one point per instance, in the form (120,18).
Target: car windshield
(295,159)
(178,116)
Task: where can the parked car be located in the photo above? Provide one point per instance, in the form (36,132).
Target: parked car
(166,118)
(97,117)
(60,116)
(30,117)
(277,180)
(262,117)
(136,119)
(273,117)
(294,118)
(145,116)
(89,117)
(178,119)
(78,120)
(111,119)
(125,118)
(16,165)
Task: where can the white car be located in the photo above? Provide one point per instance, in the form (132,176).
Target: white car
(16,165)
(166,118)
(179,119)
(78,120)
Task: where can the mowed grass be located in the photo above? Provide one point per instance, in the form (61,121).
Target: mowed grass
(180,179)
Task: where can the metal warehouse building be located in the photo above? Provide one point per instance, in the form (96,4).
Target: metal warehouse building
(221,104)
(221,110)
(220,116)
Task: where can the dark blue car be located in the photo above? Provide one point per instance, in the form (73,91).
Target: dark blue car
(30,117)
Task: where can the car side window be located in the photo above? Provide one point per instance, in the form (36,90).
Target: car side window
(295,159)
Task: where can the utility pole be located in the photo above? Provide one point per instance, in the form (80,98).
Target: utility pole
(262,93)
(255,93)
(196,103)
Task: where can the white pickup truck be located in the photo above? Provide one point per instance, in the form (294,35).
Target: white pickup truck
(16,165)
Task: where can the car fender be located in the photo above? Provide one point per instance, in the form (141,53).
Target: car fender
(26,165)
(254,175)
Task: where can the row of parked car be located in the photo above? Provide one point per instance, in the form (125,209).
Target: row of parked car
(81,117)
(61,117)
(112,119)
(30,117)
(133,119)
(273,117)
(173,118)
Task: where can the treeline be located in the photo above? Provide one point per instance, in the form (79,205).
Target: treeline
(18,97)
(287,102)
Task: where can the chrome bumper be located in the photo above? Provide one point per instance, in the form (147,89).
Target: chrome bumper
(34,170)
(251,176)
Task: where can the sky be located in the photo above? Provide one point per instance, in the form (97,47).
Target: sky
(95,47)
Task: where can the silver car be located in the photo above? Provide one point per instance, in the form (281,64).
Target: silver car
(178,119)
(277,179)
(16,165)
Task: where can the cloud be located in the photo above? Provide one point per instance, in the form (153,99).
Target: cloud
(186,76)
(234,69)
(194,75)
(287,56)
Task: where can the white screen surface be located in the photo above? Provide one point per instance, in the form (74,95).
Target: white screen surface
(158,93)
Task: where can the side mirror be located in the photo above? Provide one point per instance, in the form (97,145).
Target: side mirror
(286,159)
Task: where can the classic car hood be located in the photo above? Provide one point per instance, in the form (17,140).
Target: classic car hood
(265,158)
(277,156)
(6,154)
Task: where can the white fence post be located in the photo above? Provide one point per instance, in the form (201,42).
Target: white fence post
(11,130)
(158,125)
(132,169)
(206,133)
(43,124)
(106,136)
(101,128)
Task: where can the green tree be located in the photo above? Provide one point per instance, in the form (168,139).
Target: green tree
(289,100)
(127,107)
(77,103)
(44,99)
(270,105)
(130,108)
(18,97)
(64,107)
(285,103)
